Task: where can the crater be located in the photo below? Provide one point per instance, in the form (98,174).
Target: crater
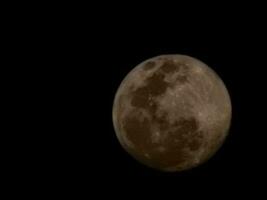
(186,125)
(143,97)
(182,79)
(195,142)
(180,135)
(149,65)
(156,84)
(138,132)
(186,132)
(162,122)
(170,66)
(172,155)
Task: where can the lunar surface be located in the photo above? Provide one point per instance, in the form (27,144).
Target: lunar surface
(172,112)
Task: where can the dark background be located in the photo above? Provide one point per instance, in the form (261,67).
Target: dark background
(74,62)
(226,46)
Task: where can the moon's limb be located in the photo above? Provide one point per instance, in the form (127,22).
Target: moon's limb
(172,112)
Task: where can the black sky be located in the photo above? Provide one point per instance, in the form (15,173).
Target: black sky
(80,60)
(226,46)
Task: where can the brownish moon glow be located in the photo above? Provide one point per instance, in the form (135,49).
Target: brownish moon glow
(172,112)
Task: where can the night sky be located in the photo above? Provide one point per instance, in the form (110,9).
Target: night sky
(82,60)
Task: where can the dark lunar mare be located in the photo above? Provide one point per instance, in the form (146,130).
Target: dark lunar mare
(183,133)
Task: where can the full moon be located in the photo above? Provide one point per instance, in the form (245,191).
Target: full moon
(172,112)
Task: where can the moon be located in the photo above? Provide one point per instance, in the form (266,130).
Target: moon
(172,112)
